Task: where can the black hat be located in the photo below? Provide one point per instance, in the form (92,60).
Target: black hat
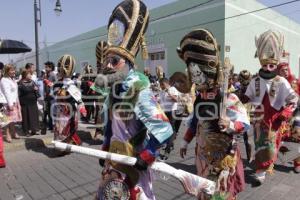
(126,28)
(200,47)
(245,77)
(101,51)
(66,64)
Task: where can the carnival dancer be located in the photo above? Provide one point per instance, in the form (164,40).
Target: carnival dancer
(217,155)
(67,103)
(295,135)
(139,126)
(283,70)
(275,101)
(291,128)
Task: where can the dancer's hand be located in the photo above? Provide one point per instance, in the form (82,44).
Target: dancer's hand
(48,83)
(10,108)
(83,111)
(183,148)
(224,124)
(144,159)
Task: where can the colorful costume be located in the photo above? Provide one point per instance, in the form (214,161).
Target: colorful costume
(2,160)
(3,122)
(290,130)
(138,125)
(67,103)
(217,155)
(275,101)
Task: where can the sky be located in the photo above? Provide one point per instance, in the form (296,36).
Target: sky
(78,16)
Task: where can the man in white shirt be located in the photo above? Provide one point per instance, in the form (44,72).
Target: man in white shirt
(168,96)
(169,103)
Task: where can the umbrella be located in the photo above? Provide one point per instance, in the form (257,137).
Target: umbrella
(13,46)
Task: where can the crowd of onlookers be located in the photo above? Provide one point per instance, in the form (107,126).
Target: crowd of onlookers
(26,98)
(22,96)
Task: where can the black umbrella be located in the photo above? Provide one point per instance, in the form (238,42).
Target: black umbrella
(13,46)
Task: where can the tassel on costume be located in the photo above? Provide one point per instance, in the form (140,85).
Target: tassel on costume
(220,75)
(76,139)
(145,54)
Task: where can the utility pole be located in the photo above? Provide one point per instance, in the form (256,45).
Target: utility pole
(36,31)
(37,21)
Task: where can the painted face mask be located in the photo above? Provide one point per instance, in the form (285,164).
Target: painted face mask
(269,67)
(197,76)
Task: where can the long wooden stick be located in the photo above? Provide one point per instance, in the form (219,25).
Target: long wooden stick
(192,184)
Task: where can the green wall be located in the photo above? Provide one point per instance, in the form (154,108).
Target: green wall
(169,23)
(240,33)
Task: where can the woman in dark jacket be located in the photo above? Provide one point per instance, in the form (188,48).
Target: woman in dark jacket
(28,95)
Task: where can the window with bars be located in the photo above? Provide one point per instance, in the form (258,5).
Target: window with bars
(157,55)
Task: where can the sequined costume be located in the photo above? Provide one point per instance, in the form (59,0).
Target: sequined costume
(290,130)
(275,101)
(67,103)
(137,126)
(217,154)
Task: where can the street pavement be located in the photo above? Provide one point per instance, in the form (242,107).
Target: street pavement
(34,172)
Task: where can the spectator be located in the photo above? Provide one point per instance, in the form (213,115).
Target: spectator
(32,70)
(147,73)
(28,95)
(40,84)
(168,97)
(169,103)
(160,72)
(9,88)
(50,79)
(235,81)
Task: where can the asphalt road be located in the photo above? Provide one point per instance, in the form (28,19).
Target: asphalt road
(37,173)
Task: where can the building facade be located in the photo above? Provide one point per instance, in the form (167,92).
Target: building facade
(226,19)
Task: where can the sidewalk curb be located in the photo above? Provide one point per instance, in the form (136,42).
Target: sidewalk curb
(41,141)
(27,143)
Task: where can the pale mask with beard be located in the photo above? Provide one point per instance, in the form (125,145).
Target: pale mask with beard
(198,77)
(112,75)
